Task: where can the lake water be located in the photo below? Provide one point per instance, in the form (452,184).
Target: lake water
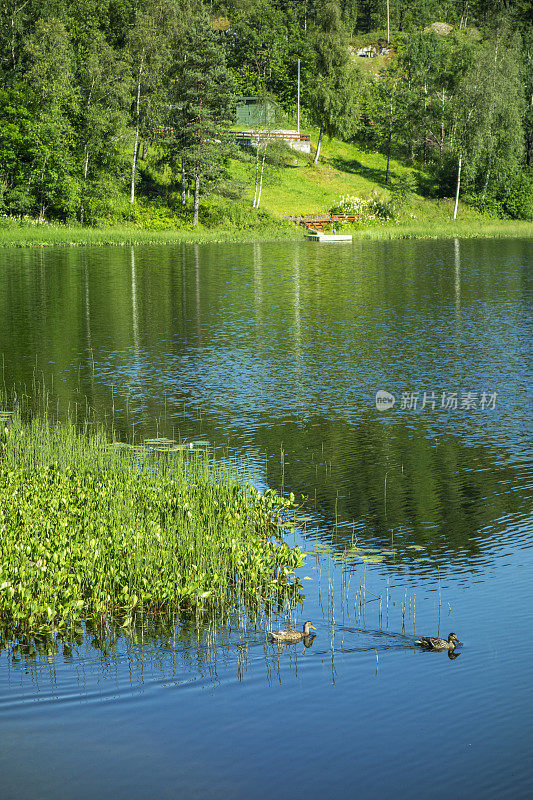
(275,353)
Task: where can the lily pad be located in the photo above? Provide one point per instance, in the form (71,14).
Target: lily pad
(416,547)
(377,559)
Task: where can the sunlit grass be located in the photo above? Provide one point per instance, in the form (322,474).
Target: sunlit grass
(299,188)
(69,236)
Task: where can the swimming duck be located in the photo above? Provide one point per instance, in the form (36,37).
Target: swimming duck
(434,643)
(292,635)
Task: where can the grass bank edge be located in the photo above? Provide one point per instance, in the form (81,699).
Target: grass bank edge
(63,236)
(88,532)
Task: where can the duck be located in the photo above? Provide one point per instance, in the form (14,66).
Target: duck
(434,643)
(293,635)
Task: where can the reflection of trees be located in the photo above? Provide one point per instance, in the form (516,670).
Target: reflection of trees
(317,329)
(445,492)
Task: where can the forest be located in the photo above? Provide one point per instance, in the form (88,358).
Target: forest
(112,107)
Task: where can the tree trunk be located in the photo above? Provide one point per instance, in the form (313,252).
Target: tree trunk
(196,193)
(529,141)
(317,154)
(464,15)
(85,170)
(183,183)
(486,184)
(136,145)
(458,185)
(256,187)
(442,123)
(425,148)
(389,142)
(261,178)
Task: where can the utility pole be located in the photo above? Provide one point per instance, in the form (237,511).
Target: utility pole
(299,94)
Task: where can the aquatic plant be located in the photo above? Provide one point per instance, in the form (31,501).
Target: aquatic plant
(92,530)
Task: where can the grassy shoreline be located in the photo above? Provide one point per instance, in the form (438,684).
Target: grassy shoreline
(65,236)
(92,529)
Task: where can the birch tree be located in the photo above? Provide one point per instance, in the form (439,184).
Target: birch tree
(487,108)
(49,72)
(333,99)
(150,46)
(103,92)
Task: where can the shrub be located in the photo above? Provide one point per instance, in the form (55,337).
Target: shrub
(373,210)
(511,199)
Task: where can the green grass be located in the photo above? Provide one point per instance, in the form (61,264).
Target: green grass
(344,169)
(437,224)
(90,529)
(305,188)
(25,235)
(300,188)
(445,230)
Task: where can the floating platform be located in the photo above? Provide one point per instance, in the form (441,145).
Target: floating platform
(329,237)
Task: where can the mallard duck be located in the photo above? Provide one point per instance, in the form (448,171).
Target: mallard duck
(292,635)
(434,643)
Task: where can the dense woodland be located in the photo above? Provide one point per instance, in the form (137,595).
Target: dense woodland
(106,105)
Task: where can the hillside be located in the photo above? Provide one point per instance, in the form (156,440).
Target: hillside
(343,169)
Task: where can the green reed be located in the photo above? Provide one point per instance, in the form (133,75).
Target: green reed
(93,529)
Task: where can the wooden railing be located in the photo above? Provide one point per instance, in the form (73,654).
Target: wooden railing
(318,222)
(287,137)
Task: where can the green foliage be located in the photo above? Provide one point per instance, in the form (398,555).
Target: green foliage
(401,190)
(202,105)
(511,199)
(333,99)
(89,529)
(85,85)
(217,213)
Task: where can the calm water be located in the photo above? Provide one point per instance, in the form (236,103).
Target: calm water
(275,352)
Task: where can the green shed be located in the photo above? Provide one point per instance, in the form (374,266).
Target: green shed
(254,112)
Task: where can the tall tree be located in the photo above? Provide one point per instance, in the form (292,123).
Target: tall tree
(49,72)
(103,91)
(333,96)
(487,110)
(527,40)
(203,98)
(150,45)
